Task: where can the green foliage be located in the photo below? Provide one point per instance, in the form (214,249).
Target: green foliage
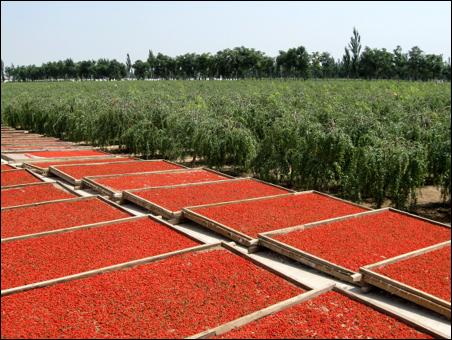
(359,139)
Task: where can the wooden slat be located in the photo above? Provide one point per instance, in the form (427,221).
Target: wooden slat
(403,290)
(54,231)
(310,260)
(104,270)
(385,310)
(55,184)
(244,320)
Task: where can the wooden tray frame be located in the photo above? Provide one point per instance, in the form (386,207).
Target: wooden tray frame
(54,231)
(12,167)
(176,216)
(45,171)
(53,169)
(55,184)
(403,290)
(19,185)
(201,248)
(266,240)
(22,160)
(45,148)
(26,287)
(302,298)
(235,235)
(90,181)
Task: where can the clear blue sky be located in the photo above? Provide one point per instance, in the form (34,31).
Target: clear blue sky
(36,32)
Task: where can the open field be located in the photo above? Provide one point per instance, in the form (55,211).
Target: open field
(374,140)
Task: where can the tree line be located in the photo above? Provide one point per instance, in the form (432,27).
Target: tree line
(243,62)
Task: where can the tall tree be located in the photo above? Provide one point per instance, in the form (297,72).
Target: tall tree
(140,69)
(400,63)
(70,71)
(346,64)
(151,64)
(329,69)
(3,72)
(316,65)
(415,62)
(355,47)
(128,66)
(294,62)
(85,69)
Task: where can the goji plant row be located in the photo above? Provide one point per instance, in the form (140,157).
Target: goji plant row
(367,239)
(80,171)
(6,167)
(45,165)
(429,272)
(58,154)
(176,198)
(58,255)
(33,194)
(325,135)
(264,215)
(139,181)
(57,215)
(172,298)
(16,177)
(328,316)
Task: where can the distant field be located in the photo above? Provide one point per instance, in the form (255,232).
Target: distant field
(359,139)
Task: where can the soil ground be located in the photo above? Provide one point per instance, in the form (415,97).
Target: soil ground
(429,205)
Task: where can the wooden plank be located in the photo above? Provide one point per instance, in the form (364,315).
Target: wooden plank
(302,298)
(243,200)
(424,219)
(53,169)
(18,185)
(218,227)
(224,328)
(43,159)
(231,247)
(56,201)
(385,310)
(174,163)
(129,195)
(148,205)
(113,204)
(191,214)
(32,164)
(266,240)
(271,184)
(58,173)
(105,269)
(406,292)
(310,260)
(217,172)
(55,184)
(41,149)
(408,255)
(70,229)
(321,223)
(90,181)
(169,225)
(54,231)
(99,188)
(25,185)
(341,200)
(403,290)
